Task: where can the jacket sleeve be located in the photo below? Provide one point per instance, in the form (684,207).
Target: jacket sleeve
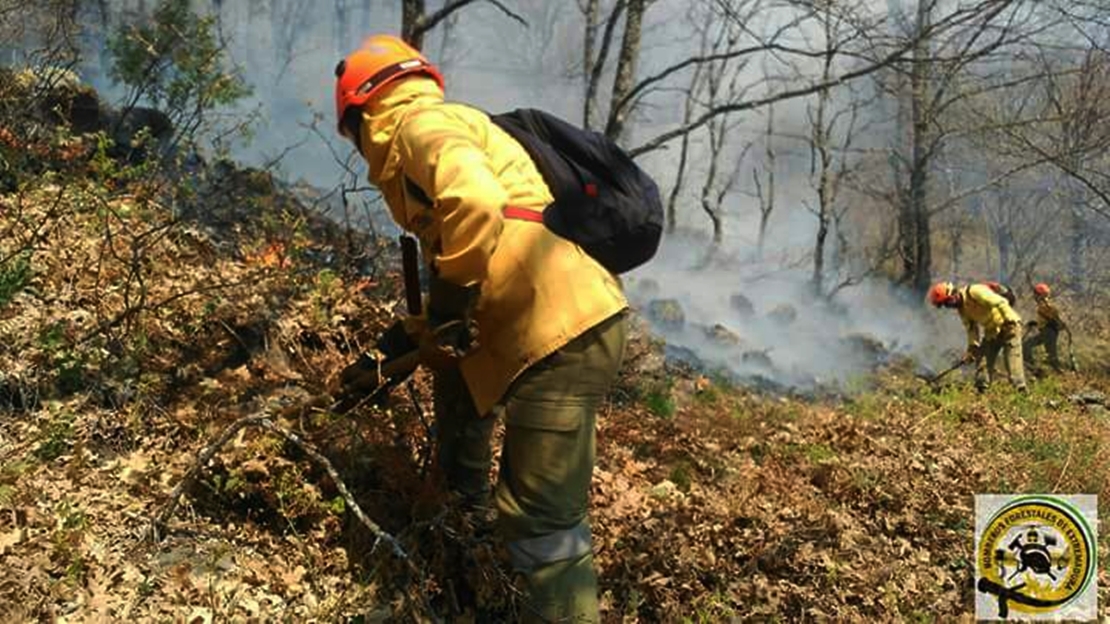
(972,333)
(443,156)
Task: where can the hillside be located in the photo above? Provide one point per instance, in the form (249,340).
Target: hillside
(133,330)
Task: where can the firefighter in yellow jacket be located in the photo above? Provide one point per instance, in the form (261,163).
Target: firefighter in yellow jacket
(1049,324)
(992,326)
(549,320)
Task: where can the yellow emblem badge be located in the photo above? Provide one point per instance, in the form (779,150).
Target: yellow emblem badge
(1035,557)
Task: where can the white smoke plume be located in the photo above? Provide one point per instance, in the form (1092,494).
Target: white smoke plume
(288,52)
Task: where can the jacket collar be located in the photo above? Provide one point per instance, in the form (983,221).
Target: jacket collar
(382,118)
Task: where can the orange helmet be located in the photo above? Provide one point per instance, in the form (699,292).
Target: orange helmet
(941,292)
(377,62)
(1042,290)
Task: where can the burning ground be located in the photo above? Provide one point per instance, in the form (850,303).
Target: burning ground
(759,325)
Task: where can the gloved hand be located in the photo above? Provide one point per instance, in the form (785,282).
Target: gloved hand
(448,332)
(442,346)
(361,377)
(448,301)
(972,353)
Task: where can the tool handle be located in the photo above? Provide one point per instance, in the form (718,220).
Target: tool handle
(410,265)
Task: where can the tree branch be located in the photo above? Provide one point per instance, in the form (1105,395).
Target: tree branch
(428,22)
(956,18)
(264,421)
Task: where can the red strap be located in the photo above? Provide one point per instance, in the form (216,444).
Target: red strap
(522,214)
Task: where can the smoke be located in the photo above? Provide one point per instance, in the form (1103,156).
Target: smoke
(787,337)
(287,53)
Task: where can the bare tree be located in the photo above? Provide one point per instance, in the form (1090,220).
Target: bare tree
(1020,221)
(417,22)
(942,76)
(594,66)
(626,67)
(287,23)
(765,190)
(963,19)
(829,141)
(1070,133)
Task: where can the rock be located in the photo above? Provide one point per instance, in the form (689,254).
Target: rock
(741,305)
(137,133)
(784,314)
(667,314)
(1089,397)
(684,356)
(867,348)
(664,489)
(722,336)
(758,359)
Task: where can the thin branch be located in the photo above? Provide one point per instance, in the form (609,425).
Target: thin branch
(896,56)
(264,421)
(428,22)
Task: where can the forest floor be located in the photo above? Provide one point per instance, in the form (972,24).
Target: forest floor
(131,339)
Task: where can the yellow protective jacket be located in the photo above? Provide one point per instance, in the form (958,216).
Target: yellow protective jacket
(538,290)
(1048,314)
(983,308)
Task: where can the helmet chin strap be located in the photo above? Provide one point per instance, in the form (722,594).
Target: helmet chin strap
(352,124)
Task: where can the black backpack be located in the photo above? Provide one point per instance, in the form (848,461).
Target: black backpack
(604,202)
(1004,290)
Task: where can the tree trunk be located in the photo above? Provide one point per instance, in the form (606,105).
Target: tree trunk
(956,239)
(919,268)
(1077,243)
(626,69)
(597,65)
(672,201)
(819,256)
(412,12)
(592,15)
(342,28)
(841,247)
(820,136)
(766,207)
(1005,241)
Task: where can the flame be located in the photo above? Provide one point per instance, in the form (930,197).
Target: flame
(273,256)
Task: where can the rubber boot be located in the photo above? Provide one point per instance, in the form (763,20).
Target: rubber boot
(563,591)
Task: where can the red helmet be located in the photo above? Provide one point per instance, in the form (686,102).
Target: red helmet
(941,292)
(377,62)
(1042,290)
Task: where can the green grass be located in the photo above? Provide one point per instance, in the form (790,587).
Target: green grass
(813,453)
(56,439)
(708,397)
(867,405)
(14,276)
(681,476)
(1040,450)
(660,403)
(819,453)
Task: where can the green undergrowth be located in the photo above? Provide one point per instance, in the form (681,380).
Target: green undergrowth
(906,458)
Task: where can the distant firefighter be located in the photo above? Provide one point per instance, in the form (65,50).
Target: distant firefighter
(992,326)
(1045,331)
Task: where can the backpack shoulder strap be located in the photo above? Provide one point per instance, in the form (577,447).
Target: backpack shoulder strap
(412,188)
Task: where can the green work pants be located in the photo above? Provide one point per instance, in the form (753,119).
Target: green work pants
(1007,341)
(1047,337)
(547,463)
